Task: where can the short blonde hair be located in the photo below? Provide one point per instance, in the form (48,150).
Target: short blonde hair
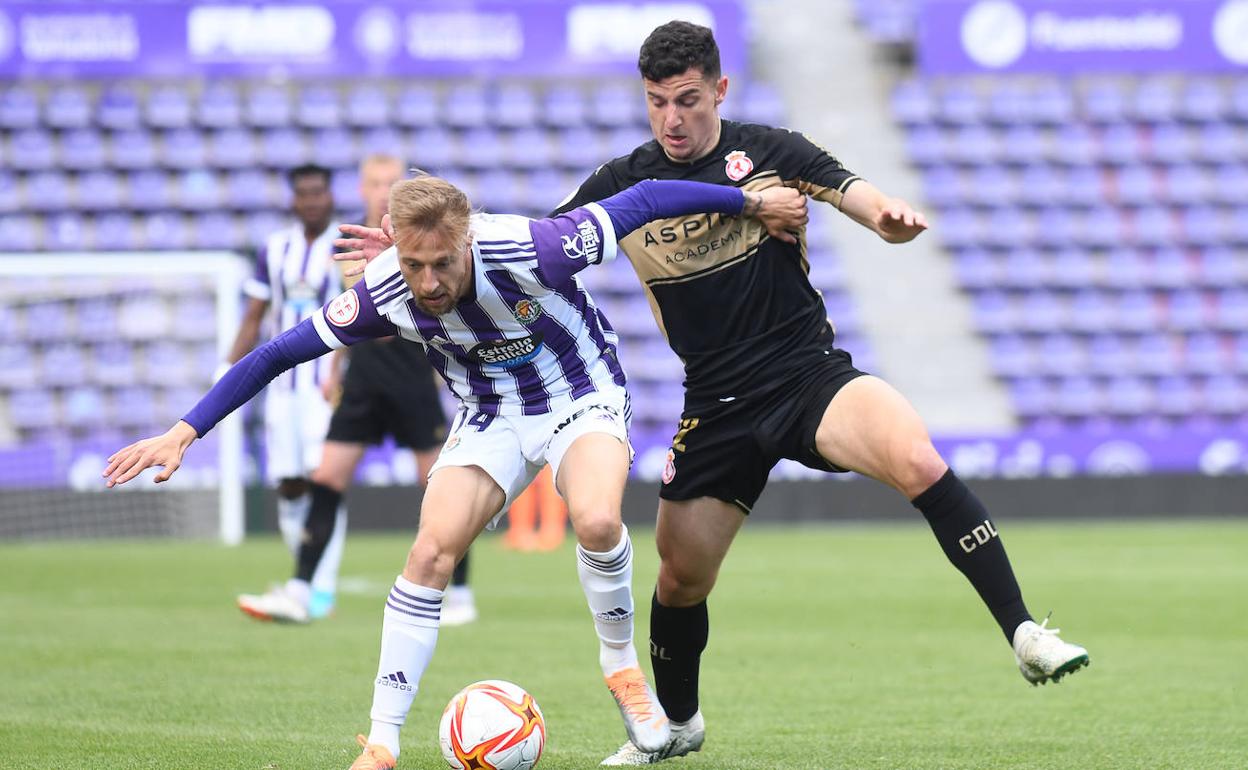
(382,159)
(429,205)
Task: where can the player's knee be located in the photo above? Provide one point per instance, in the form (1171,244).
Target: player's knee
(683,583)
(429,562)
(328,476)
(916,466)
(291,489)
(597,528)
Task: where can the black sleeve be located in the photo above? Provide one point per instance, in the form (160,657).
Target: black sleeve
(603,183)
(815,171)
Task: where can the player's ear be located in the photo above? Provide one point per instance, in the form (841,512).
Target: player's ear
(721,89)
(388,226)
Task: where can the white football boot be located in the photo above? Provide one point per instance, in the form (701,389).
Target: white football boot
(1042,656)
(277,604)
(643,716)
(685,738)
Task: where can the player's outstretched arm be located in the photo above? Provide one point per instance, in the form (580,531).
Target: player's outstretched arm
(363,244)
(165,450)
(891,218)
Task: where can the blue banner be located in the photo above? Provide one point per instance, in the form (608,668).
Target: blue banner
(345,39)
(1080,36)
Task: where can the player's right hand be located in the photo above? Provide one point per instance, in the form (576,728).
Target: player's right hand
(782,212)
(363,245)
(165,450)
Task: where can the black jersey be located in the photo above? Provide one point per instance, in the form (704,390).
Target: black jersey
(734,303)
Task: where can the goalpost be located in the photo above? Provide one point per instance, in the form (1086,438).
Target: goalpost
(99,350)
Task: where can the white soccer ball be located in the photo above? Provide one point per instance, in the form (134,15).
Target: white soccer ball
(492,725)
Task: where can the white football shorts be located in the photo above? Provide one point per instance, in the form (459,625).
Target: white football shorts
(295,424)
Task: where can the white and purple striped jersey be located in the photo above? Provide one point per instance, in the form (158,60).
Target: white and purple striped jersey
(527,339)
(296,278)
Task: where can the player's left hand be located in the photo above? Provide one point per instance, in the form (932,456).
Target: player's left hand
(165,450)
(782,210)
(363,245)
(898,222)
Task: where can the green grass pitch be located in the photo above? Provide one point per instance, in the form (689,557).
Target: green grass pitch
(831,647)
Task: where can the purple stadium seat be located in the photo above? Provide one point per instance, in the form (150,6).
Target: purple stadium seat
(1172,269)
(1154,226)
(32,150)
(1052,103)
(1138,311)
(345,188)
(913,103)
(615,104)
(1032,396)
(513,105)
(1057,227)
(1042,185)
(959,105)
(282,148)
(926,145)
(1157,353)
(548,186)
(1177,396)
(1155,101)
(19,108)
(31,409)
(383,140)
(135,406)
(1085,186)
(48,191)
(82,149)
(187,315)
(115,231)
(1121,144)
(219,106)
(166,364)
(622,141)
(435,148)
(528,148)
(19,233)
(1105,102)
(96,320)
(1203,225)
(198,190)
(1011,356)
(367,106)
(11,198)
(268,107)
(1219,143)
(842,309)
(335,148)
(1102,227)
(85,406)
(1062,354)
(1041,311)
(1230,184)
(63,364)
(992,185)
(318,107)
(133,149)
(465,106)
(183,148)
(1205,354)
(1025,268)
(1090,310)
(113,363)
(1188,311)
(1231,310)
(164,231)
(973,144)
(563,106)
(1127,396)
(1025,143)
(1225,394)
(1203,100)
(579,149)
(147,190)
(260,225)
(419,107)
(248,190)
(1009,103)
(1074,269)
(67,231)
(118,109)
(17,366)
(946,186)
(168,107)
(1136,185)
(960,227)
(1074,145)
(976,269)
(1171,143)
(1079,397)
(214,230)
(1219,266)
(232,148)
(1239,353)
(67,107)
(499,191)
(52,320)
(761,104)
(1109,354)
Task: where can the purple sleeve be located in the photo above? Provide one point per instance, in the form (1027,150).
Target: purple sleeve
(258,285)
(249,376)
(570,242)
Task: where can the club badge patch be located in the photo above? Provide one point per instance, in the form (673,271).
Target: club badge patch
(344,309)
(739,165)
(669,469)
(526,311)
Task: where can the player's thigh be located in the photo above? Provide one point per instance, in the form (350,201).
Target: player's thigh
(591,480)
(869,427)
(693,537)
(458,503)
(338,462)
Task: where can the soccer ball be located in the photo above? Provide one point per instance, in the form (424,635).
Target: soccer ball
(492,725)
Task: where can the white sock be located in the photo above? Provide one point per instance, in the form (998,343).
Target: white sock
(291,515)
(607,579)
(409,632)
(325,579)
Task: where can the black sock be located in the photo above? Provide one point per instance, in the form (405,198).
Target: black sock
(677,638)
(460,576)
(317,529)
(969,538)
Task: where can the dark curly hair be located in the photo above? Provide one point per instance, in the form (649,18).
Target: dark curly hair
(675,47)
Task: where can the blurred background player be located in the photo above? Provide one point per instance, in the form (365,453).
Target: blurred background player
(296,275)
(537,520)
(388,388)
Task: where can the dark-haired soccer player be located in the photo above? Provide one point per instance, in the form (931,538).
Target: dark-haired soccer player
(764,379)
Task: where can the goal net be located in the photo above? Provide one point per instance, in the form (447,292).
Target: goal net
(99,351)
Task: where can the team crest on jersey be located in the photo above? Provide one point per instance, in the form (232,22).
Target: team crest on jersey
(669,469)
(344,309)
(526,311)
(739,165)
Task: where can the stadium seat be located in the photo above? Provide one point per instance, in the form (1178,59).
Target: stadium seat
(992,185)
(1127,396)
(19,233)
(1032,397)
(1155,101)
(164,231)
(1074,145)
(976,269)
(1187,310)
(1085,186)
(1026,143)
(1219,266)
(1219,143)
(1157,354)
(1204,353)
(1041,311)
(140,406)
(1202,101)
(528,148)
(482,149)
(761,103)
(960,228)
(232,148)
(168,107)
(1090,310)
(994,312)
(183,148)
(32,150)
(11,198)
(318,107)
(465,106)
(973,144)
(345,189)
(926,145)
(1225,395)
(1121,144)
(418,107)
(913,103)
(563,106)
(1057,227)
(1172,269)
(1025,268)
(198,190)
(1079,396)
(1062,354)
(96,319)
(283,148)
(1041,184)
(1011,355)
(1153,226)
(219,106)
(165,364)
(579,149)
(1202,225)
(67,107)
(63,363)
(214,230)
(33,408)
(434,149)
(267,107)
(1052,103)
(1074,269)
(1171,143)
(1239,353)
(82,149)
(368,106)
(1102,227)
(1105,102)
(1231,309)
(383,140)
(85,407)
(1136,185)
(959,105)
(113,363)
(115,232)
(185,327)
(1229,184)
(19,108)
(335,148)
(117,109)
(67,231)
(547,187)
(48,191)
(1109,354)
(499,191)
(17,366)
(1177,396)
(132,149)
(99,191)
(148,190)
(513,105)
(614,104)
(1009,104)
(259,225)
